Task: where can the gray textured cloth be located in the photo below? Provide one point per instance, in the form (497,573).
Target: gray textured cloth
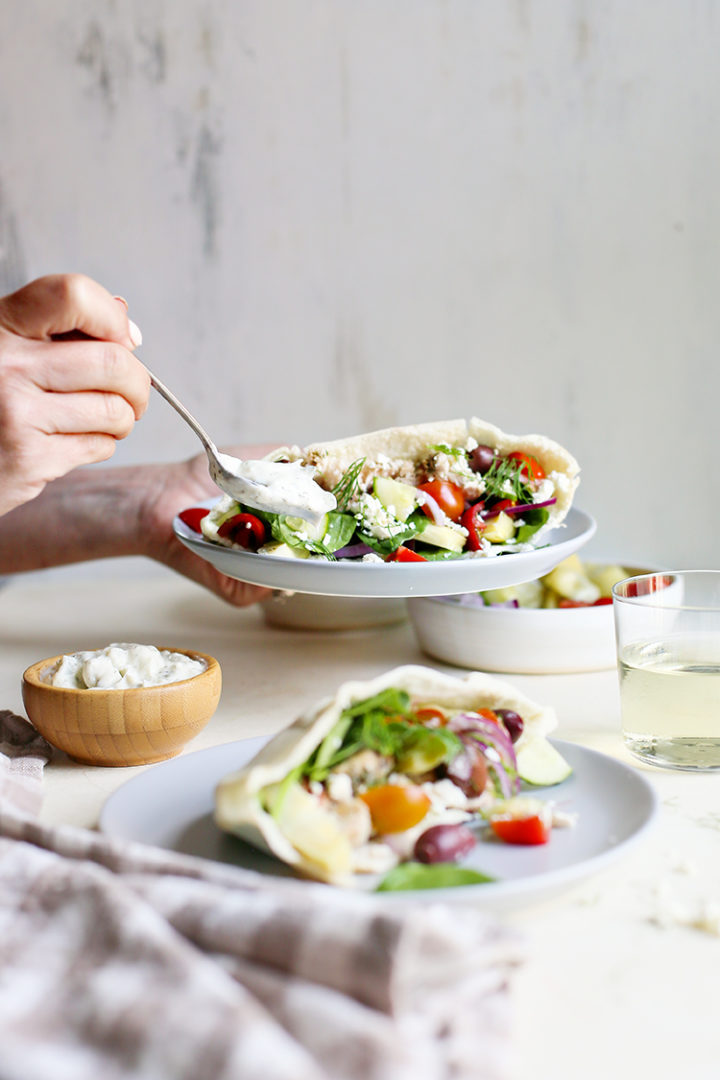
(122,961)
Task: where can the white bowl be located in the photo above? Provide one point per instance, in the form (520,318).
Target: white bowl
(528,641)
(304,611)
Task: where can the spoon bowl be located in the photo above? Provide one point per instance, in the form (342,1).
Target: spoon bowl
(277,487)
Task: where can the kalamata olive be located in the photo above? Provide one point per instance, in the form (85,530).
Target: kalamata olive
(481,458)
(444,843)
(468,770)
(512,722)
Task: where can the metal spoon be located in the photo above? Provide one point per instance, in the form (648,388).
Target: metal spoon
(277,487)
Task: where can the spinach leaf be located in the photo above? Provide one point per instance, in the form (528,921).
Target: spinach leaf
(413,527)
(435,554)
(339,530)
(415,875)
(533,520)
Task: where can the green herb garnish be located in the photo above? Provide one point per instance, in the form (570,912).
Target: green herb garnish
(416,875)
(451,451)
(386,545)
(384,723)
(504,480)
(533,520)
(347,486)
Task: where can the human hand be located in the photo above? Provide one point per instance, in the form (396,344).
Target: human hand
(70,386)
(171,488)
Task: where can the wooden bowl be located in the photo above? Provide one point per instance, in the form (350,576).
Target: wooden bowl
(122,727)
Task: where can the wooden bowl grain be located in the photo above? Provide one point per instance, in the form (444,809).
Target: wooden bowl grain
(138,726)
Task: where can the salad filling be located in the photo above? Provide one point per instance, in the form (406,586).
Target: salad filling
(415,767)
(436,491)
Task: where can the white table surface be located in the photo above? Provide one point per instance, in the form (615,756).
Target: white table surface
(606,990)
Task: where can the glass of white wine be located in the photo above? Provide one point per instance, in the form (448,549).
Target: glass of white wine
(667,628)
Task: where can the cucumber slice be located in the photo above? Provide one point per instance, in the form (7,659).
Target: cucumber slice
(443,537)
(540,764)
(399,498)
(283,551)
(313,530)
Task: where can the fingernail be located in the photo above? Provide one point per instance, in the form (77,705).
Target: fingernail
(135,335)
(122,301)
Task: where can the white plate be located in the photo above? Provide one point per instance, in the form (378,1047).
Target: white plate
(170,806)
(350,578)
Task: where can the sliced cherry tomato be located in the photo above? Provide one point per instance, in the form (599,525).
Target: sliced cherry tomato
(244,529)
(193,517)
(648,585)
(449,497)
(530,830)
(404,554)
(500,505)
(473,521)
(531,467)
(564,602)
(396,807)
(430,716)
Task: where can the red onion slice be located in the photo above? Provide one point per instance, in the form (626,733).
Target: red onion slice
(352,551)
(427,500)
(517,509)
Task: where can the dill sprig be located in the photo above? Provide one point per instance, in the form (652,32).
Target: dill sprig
(347,485)
(504,480)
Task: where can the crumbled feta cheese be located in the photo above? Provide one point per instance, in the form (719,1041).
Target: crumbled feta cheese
(339,787)
(444,794)
(374,518)
(544,491)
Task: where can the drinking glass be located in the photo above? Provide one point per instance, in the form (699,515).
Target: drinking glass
(667,629)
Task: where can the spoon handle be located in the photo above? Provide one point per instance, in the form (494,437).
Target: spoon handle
(187,416)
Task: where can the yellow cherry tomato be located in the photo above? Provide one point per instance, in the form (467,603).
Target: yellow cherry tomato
(395,807)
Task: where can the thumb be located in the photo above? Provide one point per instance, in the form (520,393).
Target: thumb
(64,304)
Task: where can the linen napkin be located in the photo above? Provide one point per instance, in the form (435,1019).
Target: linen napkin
(119,961)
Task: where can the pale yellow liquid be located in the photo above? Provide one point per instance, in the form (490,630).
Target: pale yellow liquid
(670,697)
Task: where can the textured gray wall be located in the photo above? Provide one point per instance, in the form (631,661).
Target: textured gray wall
(332,215)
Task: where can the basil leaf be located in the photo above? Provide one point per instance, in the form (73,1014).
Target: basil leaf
(415,875)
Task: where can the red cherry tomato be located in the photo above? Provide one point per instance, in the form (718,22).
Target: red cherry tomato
(488,714)
(449,497)
(430,716)
(530,830)
(404,554)
(600,602)
(244,529)
(473,521)
(193,517)
(501,504)
(396,807)
(531,467)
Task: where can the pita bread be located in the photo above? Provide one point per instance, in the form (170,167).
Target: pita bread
(239,802)
(399,451)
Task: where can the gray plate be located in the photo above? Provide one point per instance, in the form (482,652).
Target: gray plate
(352,578)
(170,806)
